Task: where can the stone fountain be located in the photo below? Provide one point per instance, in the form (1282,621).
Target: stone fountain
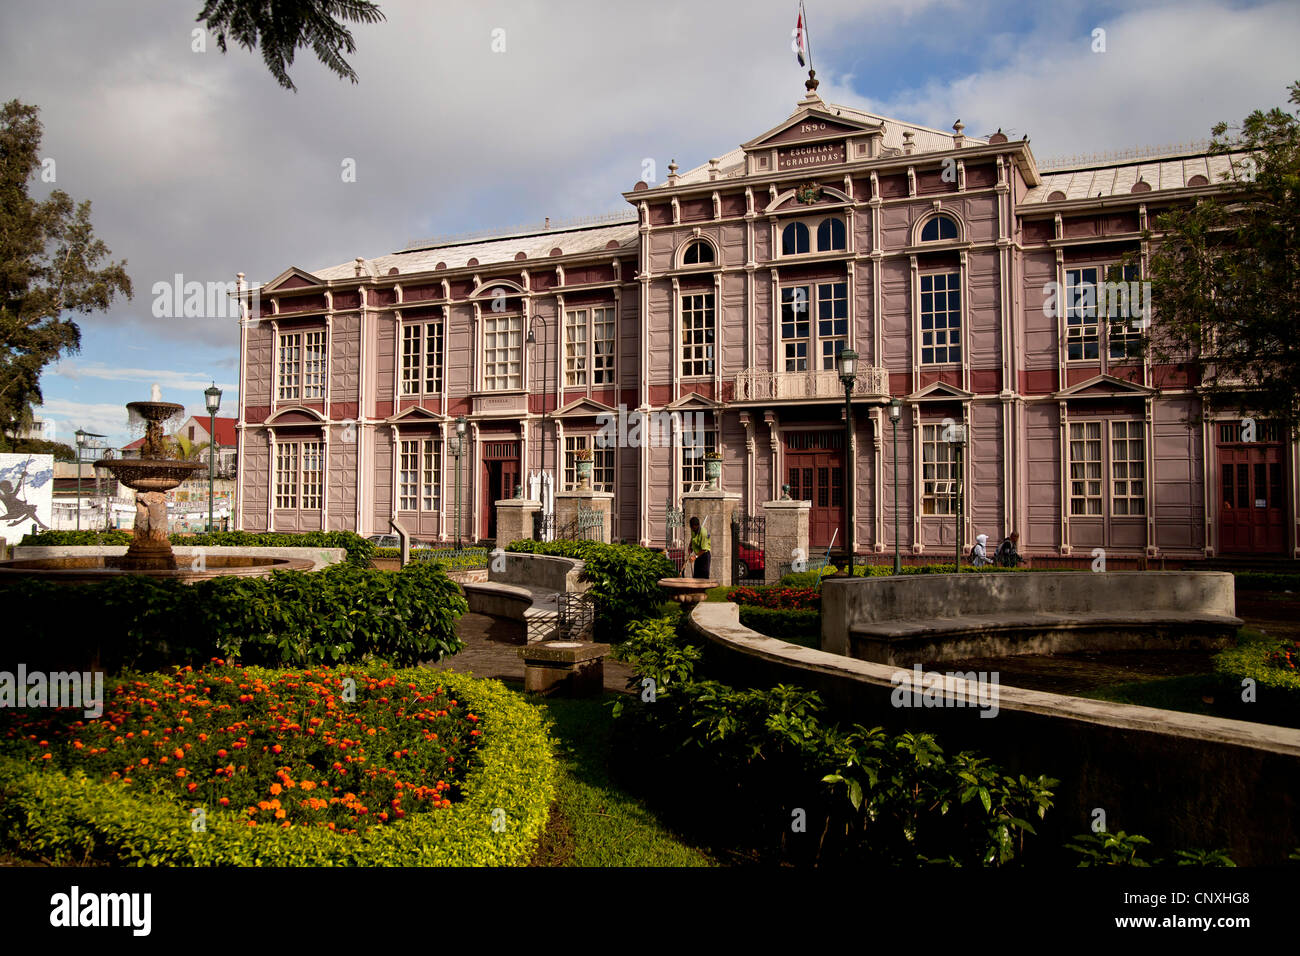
(151,476)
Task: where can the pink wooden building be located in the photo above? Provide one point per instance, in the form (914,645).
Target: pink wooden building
(957,270)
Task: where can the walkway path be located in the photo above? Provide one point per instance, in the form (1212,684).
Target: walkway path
(492,650)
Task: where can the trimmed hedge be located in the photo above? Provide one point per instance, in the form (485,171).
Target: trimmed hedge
(70,818)
(359,550)
(624,579)
(339,614)
(1277,693)
(800,627)
(810,579)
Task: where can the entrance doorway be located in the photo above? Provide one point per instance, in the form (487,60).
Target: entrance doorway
(1252,504)
(500,475)
(814,469)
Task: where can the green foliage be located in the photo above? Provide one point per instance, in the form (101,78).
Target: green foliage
(800,626)
(67,816)
(51,266)
(624,579)
(811,579)
(281,29)
(339,614)
(1266,581)
(874,799)
(38,446)
(359,550)
(1277,687)
(1109,849)
(1225,273)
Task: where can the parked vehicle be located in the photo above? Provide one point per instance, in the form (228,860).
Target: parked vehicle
(751,561)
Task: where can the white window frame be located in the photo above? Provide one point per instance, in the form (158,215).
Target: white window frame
(1131,433)
(1090,471)
(602,463)
(302,365)
(694,354)
(584,362)
(953,334)
(502,362)
(421,358)
(813,225)
(692,459)
(294,491)
(419,485)
(938,491)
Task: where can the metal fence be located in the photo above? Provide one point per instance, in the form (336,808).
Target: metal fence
(543,525)
(748,549)
(451,558)
(587,525)
(577,617)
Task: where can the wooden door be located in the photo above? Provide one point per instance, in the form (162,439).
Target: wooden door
(1252,500)
(500,475)
(814,469)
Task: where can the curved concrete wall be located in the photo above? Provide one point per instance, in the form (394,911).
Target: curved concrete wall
(1182,780)
(319,557)
(925,618)
(538,571)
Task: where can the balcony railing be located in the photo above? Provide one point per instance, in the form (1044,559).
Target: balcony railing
(757,385)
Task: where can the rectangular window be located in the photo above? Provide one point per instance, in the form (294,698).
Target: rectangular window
(941,318)
(313,475)
(1123,338)
(697,334)
(1128,469)
(419,464)
(938,473)
(1081,335)
(602,346)
(286,476)
(422,359)
(313,366)
(290,370)
(832,320)
(575,348)
(795,327)
(433,358)
(1085,468)
(602,467)
(693,454)
(411,352)
(502,352)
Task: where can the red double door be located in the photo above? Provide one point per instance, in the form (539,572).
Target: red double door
(500,475)
(1252,495)
(814,470)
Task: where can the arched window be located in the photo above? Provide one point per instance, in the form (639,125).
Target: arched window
(697,253)
(794,239)
(939,228)
(830,235)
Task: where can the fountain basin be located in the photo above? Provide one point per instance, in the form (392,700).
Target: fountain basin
(687,591)
(150,474)
(86,569)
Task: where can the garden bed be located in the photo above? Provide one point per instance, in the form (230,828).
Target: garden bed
(231,766)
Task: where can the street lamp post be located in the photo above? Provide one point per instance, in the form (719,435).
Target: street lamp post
(457,446)
(213,398)
(956,435)
(848,369)
(81,444)
(895,412)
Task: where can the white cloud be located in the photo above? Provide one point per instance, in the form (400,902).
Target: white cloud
(171,383)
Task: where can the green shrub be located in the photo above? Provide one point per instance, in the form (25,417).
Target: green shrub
(765,753)
(340,614)
(624,579)
(801,626)
(1266,581)
(359,550)
(1277,691)
(66,816)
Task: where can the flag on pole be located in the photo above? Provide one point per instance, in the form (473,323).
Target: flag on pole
(800,38)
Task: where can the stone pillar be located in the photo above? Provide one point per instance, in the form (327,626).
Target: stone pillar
(714,509)
(515,520)
(567,504)
(786,535)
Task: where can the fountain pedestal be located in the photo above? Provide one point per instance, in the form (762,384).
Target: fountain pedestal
(151,548)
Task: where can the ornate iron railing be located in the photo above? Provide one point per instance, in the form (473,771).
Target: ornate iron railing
(754,384)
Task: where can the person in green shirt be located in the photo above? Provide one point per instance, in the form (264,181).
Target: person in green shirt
(701,547)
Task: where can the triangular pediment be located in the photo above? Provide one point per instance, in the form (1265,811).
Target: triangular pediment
(693,400)
(940,392)
(292,278)
(415,414)
(1105,386)
(811,124)
(584,407)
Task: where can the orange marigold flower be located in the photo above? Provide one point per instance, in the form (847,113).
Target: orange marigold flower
(275,789)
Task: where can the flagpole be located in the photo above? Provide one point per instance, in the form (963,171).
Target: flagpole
(807,34)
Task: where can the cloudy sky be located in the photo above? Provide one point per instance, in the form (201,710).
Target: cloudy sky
(199,164)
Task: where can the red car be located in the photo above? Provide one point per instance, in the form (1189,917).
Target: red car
(751,561)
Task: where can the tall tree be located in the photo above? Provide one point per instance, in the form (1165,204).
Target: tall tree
(50,265)
(1225,274)
(282,26)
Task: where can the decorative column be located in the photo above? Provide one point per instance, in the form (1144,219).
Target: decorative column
(785,535)
(714,509)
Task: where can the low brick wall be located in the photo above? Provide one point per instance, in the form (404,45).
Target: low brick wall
(1182,780)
